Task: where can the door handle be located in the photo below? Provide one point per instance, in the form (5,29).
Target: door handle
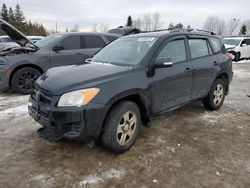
(215,63)
(78,53)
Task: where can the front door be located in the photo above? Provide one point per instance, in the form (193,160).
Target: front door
(172,86)
(71,54)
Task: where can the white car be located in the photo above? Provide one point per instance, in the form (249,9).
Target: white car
(6,42)
(34,39)
(239,47)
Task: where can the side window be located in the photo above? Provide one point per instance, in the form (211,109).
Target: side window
(71,42)
(243,42)
(198,47)
(92,41)
(247,41)
(110,38)
(175,50)
(216,44)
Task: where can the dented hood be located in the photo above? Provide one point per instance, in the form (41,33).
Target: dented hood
(15,35)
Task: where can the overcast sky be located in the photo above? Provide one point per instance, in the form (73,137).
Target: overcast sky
(114,13)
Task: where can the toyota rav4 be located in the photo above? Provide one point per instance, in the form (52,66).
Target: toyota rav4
(127,83)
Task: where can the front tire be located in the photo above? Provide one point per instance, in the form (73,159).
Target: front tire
(23,80)
(121,127)
(216,96)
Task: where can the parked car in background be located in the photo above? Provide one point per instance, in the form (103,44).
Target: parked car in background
(21,66)
(34,39)
(127,83)
(238,46)
(6,42)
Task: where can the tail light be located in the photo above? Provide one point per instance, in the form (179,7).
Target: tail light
(230,56)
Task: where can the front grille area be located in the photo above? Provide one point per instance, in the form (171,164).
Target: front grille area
(41,101)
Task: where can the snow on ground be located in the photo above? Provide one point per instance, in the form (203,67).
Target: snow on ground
(242,61)
(95,179)
(18,111)
(241,73)
(212,118)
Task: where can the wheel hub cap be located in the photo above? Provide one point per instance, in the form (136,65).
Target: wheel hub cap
(126,127)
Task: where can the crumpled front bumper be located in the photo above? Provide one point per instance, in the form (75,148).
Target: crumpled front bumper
(75,123)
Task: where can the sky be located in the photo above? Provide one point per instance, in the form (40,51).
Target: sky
(67,13)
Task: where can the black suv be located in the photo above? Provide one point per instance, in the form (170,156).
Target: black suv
(20,66)
(127,83)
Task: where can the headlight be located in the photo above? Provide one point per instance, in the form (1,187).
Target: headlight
(78,98)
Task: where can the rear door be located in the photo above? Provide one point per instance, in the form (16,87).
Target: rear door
(92,44)
(204,63)
(172,86)
(71,53)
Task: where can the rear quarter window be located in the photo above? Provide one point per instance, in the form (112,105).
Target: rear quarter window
(216,44)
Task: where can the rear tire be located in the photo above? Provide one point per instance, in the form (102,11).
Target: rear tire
(23,80)
(237,56)
(121,127)
(216,96)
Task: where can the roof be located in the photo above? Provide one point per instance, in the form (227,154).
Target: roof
(87,33)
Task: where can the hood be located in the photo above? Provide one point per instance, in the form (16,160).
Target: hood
(228,46)
(15,35)
(69,78)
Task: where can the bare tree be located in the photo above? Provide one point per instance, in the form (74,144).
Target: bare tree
(138,23)
(247,23)
(232,25)
(94,27)
(103,28)
(156,24)
(147,22)
(221,27)
(75,28)
(215,24)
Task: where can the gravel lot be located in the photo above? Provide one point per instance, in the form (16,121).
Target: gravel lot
(189,147)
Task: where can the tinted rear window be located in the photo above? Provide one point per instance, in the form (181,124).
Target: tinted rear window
(198,47)
(94,42)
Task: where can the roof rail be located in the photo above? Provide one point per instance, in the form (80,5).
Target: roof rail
(193,30)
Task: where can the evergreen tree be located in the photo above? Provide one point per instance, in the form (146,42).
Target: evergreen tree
(129,21)
(243,30)
(11,16)
(4,13)
(19,14)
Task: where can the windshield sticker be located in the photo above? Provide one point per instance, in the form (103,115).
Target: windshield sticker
(147,39)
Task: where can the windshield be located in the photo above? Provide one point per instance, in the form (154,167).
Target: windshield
(48,40)
(125,51)
(234,42)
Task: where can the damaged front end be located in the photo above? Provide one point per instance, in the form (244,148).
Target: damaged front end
(25,45)
(16,50)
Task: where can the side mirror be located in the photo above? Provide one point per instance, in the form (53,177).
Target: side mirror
(244,45)
(163,62)
(58,47)
(87,60)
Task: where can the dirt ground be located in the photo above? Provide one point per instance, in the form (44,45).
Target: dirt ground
(189,147)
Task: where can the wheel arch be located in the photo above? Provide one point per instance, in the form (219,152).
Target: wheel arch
(224,76)
(133,97)
(24,66)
